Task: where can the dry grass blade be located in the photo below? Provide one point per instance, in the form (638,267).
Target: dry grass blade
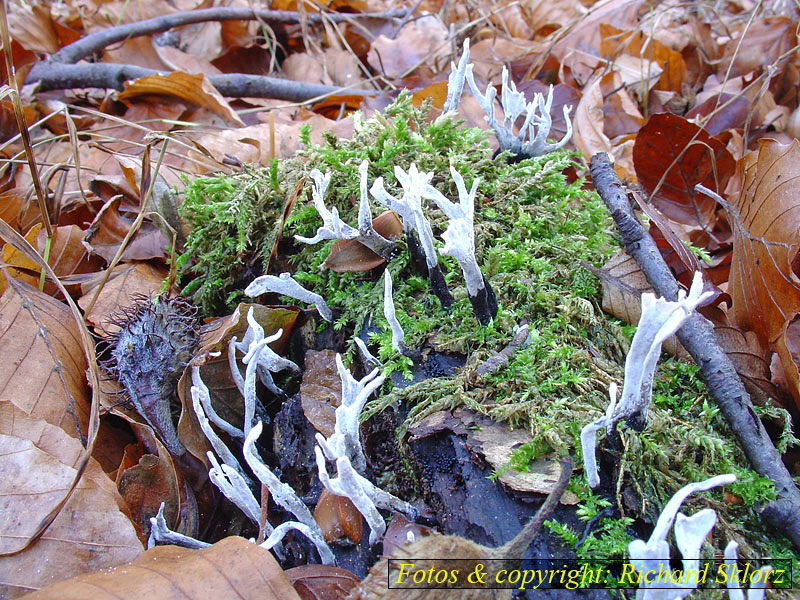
(23,127)
(21,245)
(136,224)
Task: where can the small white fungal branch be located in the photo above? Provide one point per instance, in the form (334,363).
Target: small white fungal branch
(416,226)
(161,534)
(532,137)
(364,494)
(409,206)
(389,312)
(343,447)
(314,535)
(285,285)
(282,493)
(459,242)
(455,82)
(690,532)
(345,439)
(260,360)
(653,556)
(229,477)
(334,228)
(285,496)
(758,579)
(659,320)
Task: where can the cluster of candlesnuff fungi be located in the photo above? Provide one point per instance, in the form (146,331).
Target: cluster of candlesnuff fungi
(342,448)
(659,320)
(459,238)
(651,559)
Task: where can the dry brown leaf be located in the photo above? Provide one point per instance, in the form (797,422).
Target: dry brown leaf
(321,390)
(138,51)
(350,256)
(764,282)
(579,50)
(194,89)
(41,345)
(12,207)
(112,224)
(203,40)
(90,533)
(251,59)
(67,257)
(623,285)
(33,27)
(126,281)
(232,568)
(322,582)
(548,15)
(331,67)
(188,63)
(420,42)
(588,129)
(154,480)
(703,160)
(655,60)
(765,40)
(511,19)
(748,356)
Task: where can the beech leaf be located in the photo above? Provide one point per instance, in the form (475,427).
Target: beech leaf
(764,282)
(232,568)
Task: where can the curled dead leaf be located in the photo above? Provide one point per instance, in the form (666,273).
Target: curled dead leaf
(92,531)
(231,568)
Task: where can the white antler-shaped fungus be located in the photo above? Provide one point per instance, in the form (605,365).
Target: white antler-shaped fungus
(284,284)
(345,441)
(535,127)
(459,242)
(334,228)
(659,320)
(416,226)
(654,556)
(391,316)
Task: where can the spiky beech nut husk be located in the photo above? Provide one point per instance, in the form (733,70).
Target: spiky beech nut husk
(156,339)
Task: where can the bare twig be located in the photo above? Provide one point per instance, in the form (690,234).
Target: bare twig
(53,76)
(102,39)
(499,360)
(697,336)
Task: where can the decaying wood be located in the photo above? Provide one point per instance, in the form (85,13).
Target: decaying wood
(437,546)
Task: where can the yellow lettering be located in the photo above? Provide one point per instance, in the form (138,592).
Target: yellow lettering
(526,580)
(403,572)
(629,571)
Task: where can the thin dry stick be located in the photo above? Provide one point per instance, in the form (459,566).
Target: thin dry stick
(54,76)
(94,42)
(23,127)
(697,336)
(134,227)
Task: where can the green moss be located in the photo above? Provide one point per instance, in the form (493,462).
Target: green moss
(533,227)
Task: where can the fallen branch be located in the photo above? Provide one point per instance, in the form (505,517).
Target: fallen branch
(499,360)
(59,71)
(697,336)
(53,76)
(95,42)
